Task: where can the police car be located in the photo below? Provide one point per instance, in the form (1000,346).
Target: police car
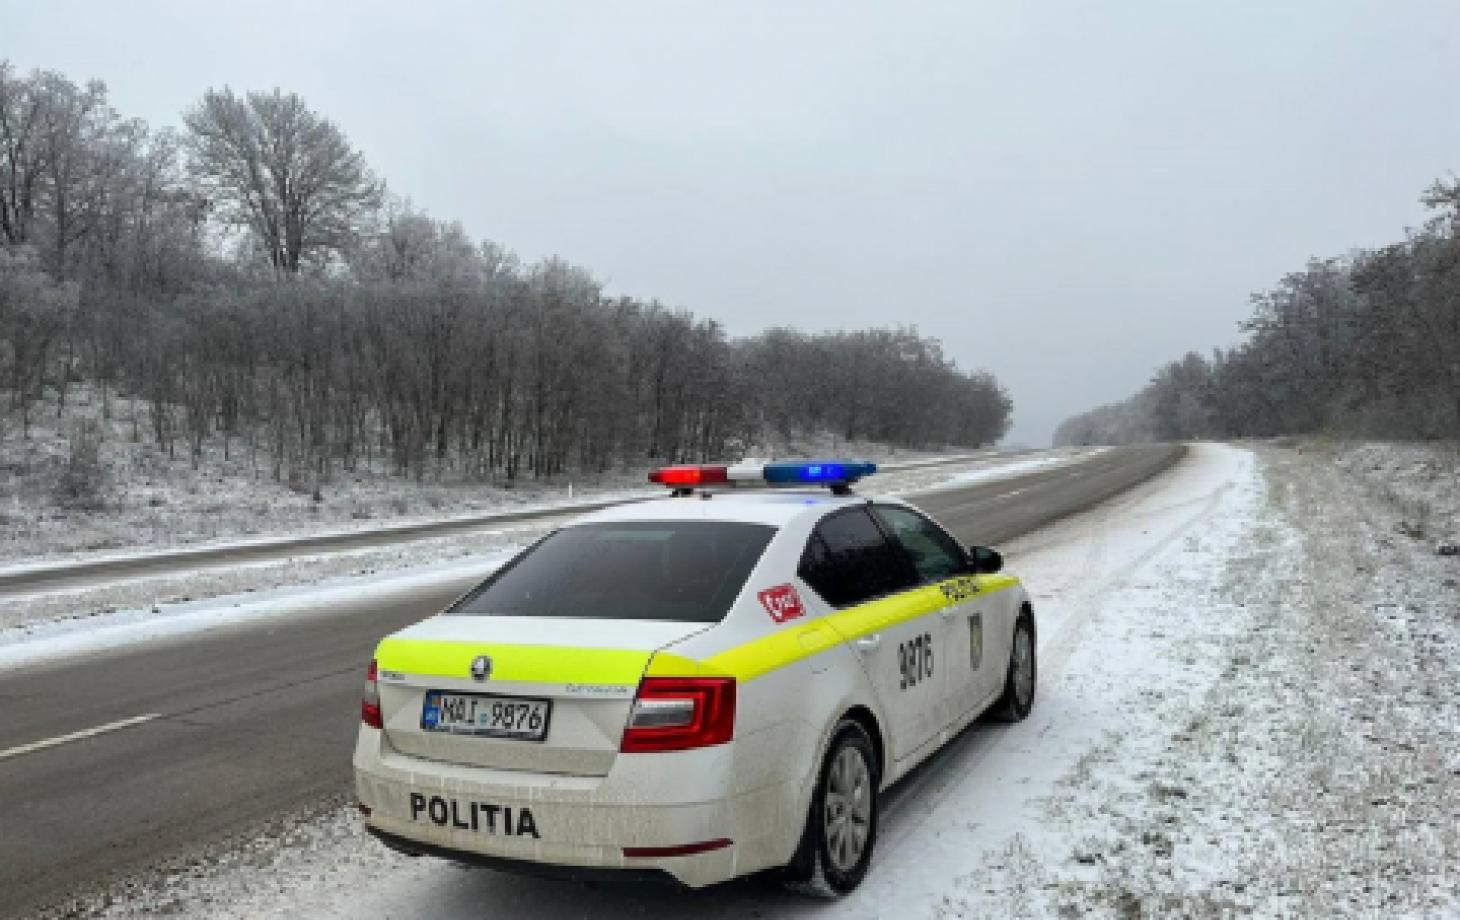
(705,686)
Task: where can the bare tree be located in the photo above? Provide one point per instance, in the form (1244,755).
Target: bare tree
(410,246)
(22,153)
(282,171)
(84,150)
(32,311)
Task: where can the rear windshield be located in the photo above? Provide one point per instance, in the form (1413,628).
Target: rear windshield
(673,570)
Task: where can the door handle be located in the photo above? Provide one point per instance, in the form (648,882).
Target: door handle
(868,644)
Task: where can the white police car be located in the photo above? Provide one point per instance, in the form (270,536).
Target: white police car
(706,686)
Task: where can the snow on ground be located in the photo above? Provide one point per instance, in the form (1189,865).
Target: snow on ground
(153,501)
(1422,480)
(195,595)
(189,595)
(565,503)
(1247,705)
(63,638)
(1017,467)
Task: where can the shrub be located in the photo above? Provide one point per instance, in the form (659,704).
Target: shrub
(85,479)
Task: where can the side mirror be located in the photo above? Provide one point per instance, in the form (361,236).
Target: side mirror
(984,561)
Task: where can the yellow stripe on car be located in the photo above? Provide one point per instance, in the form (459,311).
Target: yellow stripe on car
(554,664)
(795,642)
(538,664)
(987,584)
(766,654)
(887,612)
(668,664)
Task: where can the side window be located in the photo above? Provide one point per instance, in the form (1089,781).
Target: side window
(933,552)
(848,560)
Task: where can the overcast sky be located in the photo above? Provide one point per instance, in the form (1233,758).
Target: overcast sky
(1066,195)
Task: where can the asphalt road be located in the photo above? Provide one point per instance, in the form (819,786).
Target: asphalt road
(120,760)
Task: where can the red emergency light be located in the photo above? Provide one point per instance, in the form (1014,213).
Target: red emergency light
(690,475)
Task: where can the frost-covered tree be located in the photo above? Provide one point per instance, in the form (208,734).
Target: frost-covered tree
(282,171)
(22,154)
(33,312)
(410,246)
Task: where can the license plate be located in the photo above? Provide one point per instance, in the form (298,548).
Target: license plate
(486,715)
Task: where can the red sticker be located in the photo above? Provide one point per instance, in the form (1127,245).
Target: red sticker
(782,603)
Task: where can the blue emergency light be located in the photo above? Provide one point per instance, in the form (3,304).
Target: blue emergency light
(837,474)
(795,472)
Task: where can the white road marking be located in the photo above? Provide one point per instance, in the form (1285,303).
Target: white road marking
(77,736)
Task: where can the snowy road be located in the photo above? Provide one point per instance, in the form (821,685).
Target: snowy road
(1221,730)
(114,757)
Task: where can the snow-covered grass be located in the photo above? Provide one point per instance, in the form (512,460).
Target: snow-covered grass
(1247,706)
(1421,480)
(148,500)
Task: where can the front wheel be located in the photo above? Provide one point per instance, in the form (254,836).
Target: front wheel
(1019,685)
(841,828)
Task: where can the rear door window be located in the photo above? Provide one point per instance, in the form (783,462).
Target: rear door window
(689,571)
(848,560)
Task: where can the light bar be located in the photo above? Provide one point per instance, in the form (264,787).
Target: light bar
(835,473)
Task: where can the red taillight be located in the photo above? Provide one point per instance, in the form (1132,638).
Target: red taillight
(370,704)
(686,476)
(680,713)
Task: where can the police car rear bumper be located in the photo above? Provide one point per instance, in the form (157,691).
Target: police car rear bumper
(523,867)
(664,812)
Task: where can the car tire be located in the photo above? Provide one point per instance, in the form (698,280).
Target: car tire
(1022,677)
(841,824)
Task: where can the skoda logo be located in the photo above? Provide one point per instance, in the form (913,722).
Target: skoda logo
(481,667)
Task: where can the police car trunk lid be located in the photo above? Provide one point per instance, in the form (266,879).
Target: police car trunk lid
(585,670)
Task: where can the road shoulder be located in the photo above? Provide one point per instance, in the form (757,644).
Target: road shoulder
(1297,755)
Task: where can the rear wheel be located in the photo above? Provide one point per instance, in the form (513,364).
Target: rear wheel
(841,827)
(1019,685)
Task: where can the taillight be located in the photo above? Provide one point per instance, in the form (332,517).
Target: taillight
(370,704)
(679,713)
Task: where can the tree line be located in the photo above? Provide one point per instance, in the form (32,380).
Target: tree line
(1366,344)
(255,285)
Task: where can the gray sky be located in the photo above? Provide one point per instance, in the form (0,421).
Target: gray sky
(1065,195)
